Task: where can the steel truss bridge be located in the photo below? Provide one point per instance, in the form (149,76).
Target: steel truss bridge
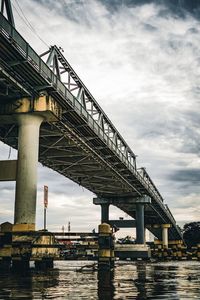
(83,144)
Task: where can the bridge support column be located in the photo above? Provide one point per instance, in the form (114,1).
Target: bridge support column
(140,239)
(104,213)
(29,114)
(26,179)
(165,228)
(104,203)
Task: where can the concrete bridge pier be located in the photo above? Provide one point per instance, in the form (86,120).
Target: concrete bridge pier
(165,240)
(28,114)
(104,212)
(139,218)
(140,228)
(104,203)
(26,179)
(139,249)
(106,255)
(133,251)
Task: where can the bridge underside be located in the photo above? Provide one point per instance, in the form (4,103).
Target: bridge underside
(66,155)
(73,145)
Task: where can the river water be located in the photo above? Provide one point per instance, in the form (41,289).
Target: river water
(130,280)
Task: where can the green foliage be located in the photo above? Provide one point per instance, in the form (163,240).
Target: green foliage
(191,233)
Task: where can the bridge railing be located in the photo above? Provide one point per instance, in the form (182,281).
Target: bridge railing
(31,57)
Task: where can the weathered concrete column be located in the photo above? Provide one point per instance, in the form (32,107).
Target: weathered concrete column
(104,203)
(165,228)
(28,113)
(104,213)
(140,223)
(26,179)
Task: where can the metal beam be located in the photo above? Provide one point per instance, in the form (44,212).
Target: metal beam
(6,4)
(122,200)
(122,223)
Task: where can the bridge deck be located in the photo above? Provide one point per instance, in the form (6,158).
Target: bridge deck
(76,145)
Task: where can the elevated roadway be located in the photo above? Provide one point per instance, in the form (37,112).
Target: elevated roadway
(82,144)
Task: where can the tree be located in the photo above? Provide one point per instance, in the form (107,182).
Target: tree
(191,233)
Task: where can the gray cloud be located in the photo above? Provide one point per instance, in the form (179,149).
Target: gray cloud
(72,8)
(192,176)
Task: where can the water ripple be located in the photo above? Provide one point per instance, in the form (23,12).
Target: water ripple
(130,280)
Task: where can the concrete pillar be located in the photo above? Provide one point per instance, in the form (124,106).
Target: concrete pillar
(26,179)
(165,228)
(104,213)
(106,247)
(140,239)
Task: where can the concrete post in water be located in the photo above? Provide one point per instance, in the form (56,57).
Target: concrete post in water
(140,239)
(105,257)
(165,228)
(26,181)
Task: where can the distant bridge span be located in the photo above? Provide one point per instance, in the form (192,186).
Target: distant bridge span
(82,143)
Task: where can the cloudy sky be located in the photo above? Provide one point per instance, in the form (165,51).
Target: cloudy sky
(141,61)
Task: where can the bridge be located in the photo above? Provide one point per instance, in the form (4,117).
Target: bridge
(48,114)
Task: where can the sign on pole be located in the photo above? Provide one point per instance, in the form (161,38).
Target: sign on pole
(45,196)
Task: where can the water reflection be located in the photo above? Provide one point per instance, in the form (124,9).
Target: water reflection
(27,284)
(165,282)
(106,286)
(129,280)
(141,280)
